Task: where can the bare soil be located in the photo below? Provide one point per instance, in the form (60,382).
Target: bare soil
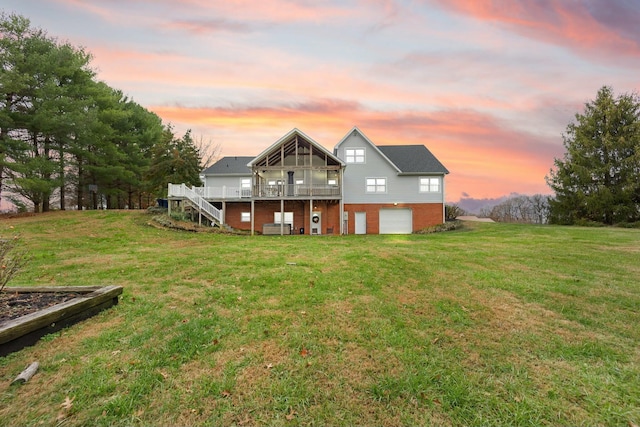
(14,305)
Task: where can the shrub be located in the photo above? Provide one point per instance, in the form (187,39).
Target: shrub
(583,222)
(156,210)
(180,216)
(451,212)
(12,259)
(628,224)
(447,226)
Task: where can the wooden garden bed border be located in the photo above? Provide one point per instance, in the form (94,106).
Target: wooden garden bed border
(26,330)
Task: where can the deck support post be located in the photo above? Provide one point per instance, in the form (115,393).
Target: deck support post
(253,214)
(282,217)
(310,215)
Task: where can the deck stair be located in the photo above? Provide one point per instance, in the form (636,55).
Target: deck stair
(197,202)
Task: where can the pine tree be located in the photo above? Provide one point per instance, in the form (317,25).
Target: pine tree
(174,160)
(598,180)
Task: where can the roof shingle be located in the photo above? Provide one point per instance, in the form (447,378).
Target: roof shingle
(413,158)
(230,165)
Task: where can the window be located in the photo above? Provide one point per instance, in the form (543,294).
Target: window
(354,155)
(429,185)
(332,182)
(245,187)
(376,185)
(245,216)
(288,218)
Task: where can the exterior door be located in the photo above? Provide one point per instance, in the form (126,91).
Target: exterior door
(361,223)
(316,223)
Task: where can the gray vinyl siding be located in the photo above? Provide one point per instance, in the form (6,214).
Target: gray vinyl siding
(400,188)
(227,181)
(407,190)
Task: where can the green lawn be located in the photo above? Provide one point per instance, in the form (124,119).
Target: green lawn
(493,324)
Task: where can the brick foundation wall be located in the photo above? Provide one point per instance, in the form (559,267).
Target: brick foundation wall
(423,214)
(264,214)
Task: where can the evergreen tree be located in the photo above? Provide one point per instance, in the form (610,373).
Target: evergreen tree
(598,180)
(26,67)
(60,129)
(174,160)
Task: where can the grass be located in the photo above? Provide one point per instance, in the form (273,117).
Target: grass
(494,324)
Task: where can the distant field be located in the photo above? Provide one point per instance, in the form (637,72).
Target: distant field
(494,324)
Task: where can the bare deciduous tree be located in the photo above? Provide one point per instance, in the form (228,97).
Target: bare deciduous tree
(209,151)
(530,209)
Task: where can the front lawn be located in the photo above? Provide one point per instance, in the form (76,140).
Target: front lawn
(492,324)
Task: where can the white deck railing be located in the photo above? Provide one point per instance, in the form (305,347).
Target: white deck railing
(224,192)
(265,190)
(296,190)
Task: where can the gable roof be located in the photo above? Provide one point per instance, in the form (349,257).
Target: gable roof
(412,159)
(295,132)
(230,165)
(406,159)
(355,131)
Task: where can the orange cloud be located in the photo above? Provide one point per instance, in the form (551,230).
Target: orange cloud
(486,159)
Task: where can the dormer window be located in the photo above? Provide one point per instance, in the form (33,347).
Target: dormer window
(354,155)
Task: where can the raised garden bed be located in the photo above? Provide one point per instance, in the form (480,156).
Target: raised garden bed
(47,310)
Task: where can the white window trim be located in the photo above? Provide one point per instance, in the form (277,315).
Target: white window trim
(429,185)
(245,187)
(376,185)
(355,156)
(288,218)
(245,216)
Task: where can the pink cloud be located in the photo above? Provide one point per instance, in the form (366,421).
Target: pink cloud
(208,25)
(571,24)
(249,11)
(274,10)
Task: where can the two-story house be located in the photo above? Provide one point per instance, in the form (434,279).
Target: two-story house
(296,186)
(390,189)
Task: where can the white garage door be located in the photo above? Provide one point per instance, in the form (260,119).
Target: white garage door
(396,221)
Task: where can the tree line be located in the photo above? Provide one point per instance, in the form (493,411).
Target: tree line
(68,139)
(520,208)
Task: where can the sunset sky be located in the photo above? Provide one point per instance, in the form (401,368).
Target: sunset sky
(488,86)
